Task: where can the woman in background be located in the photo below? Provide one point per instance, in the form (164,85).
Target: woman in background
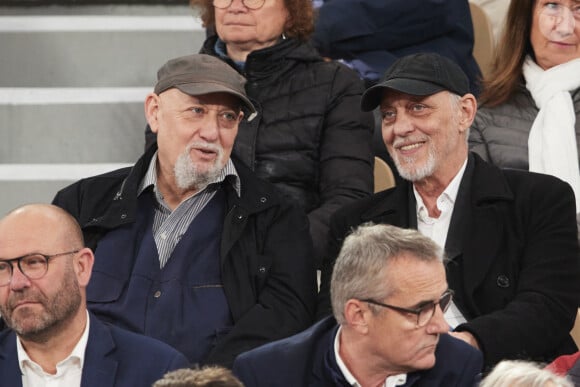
(309,138)
(529,116)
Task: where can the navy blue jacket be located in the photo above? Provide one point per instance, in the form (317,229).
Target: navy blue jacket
(378,32)
(304,360)
(113,358)
(265,252)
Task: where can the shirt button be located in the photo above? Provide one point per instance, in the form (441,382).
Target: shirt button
(164,236)
(157,294)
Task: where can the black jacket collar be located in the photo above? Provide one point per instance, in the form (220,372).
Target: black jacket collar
(255,195)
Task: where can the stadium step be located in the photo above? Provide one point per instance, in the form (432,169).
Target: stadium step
(72,85)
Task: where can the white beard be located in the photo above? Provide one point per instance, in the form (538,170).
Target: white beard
(410,172)
(187,173)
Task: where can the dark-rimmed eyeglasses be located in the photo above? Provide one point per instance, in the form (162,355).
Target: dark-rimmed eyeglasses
(251,4)
(33,266)
(424,313)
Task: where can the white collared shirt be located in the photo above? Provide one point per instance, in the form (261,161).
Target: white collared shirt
(437,228)
(69,371)
(391,381)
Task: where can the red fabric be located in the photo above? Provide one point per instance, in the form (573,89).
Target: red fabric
(562,364)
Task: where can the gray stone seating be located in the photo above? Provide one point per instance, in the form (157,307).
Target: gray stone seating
(72,85)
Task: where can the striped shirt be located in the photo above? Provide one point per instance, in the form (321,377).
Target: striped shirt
(168,226)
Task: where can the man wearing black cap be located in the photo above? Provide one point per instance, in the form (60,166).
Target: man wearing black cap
(190,247)
(510,236)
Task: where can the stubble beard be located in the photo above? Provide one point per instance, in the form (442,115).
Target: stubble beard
(56,315)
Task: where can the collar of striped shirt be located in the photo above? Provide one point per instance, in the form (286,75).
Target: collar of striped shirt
(228,174)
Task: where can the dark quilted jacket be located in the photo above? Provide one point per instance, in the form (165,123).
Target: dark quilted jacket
(310,138)
(500,134)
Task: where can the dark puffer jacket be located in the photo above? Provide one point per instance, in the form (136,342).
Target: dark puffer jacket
(310,138)
(500,134)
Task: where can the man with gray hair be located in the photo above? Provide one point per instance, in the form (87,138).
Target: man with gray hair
(190,246)
(510,236)
(389,294)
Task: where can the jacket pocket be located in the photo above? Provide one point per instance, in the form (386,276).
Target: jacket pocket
(104,288)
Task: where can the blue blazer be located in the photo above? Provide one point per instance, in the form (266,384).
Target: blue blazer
(114,357)
(307,360)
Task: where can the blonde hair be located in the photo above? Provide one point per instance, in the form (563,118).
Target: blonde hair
(519,373)
(208,376)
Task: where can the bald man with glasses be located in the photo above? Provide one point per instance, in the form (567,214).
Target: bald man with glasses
(389,294)
(53,340)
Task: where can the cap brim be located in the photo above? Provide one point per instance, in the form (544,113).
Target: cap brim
(373,96)
(194,89)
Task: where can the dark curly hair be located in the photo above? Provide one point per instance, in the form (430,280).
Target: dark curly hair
(300,25)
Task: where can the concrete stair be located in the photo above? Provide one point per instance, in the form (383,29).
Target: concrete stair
(72,85)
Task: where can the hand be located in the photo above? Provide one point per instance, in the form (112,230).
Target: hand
(467,337)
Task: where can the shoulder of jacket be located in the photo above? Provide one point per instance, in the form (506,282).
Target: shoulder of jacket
(98,183)
(256,194)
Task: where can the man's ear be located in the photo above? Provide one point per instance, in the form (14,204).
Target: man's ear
(356,313)
(83,265)
(151,111)
(468,104)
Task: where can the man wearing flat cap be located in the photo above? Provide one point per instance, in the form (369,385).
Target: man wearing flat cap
(190,247)
(510,236)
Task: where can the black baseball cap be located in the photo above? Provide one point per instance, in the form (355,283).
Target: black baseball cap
(418,74)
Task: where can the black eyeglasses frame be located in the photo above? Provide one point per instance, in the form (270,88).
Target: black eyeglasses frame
(419,310)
